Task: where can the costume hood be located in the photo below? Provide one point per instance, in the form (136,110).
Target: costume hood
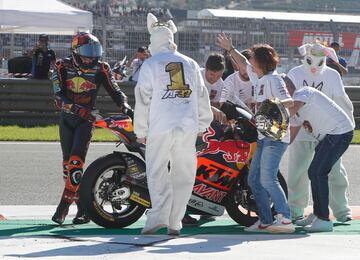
(161,35)
(315,57)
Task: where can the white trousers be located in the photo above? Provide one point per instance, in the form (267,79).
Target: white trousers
(301,154)
(170,191)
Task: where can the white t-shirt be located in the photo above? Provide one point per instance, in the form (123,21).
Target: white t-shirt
(135,69)
(323,114)
(170,93)
(328,82)
(269,86)
(236,90)
(213,89)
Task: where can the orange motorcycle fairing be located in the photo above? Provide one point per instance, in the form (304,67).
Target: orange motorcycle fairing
(215,174)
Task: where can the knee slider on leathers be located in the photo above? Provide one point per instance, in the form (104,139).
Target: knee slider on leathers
(65,169)
(75,170)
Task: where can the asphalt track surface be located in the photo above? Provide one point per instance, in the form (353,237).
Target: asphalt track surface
(31,172)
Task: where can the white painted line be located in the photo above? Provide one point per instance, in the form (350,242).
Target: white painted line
(50,143)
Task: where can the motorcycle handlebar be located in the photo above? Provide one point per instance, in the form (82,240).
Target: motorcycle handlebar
(233,111)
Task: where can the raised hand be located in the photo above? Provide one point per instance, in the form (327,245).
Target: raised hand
(218,115)
(224,42)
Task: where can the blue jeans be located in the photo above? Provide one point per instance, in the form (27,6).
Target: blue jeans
(327,152)
(263,179)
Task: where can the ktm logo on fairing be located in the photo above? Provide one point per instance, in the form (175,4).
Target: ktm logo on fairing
(233,151)
(215,174)
(209,193)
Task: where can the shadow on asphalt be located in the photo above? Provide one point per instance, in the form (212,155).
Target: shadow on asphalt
(157,244)
(92,240)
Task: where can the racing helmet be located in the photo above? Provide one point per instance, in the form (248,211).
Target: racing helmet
(272,119)
(88,46)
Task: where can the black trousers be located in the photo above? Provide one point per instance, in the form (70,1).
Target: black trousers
(75,135)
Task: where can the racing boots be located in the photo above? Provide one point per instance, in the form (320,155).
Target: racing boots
(80,217)
(61,211)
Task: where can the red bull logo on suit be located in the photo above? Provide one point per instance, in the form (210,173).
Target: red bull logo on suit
(79,85)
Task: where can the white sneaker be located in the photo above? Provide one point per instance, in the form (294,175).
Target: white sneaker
(152,230)
(294,219)
(319,225)
(257,227)
(281,225)
(306,221)
(344,218)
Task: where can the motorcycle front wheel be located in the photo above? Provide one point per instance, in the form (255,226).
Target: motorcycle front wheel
(105,197)
(241,205)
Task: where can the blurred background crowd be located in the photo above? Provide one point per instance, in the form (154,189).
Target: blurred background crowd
(121,27)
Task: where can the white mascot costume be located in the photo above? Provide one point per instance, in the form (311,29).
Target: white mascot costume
(314,72)
(172,107)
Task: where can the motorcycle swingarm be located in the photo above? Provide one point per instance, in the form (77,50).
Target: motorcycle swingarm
(197,204)
(135,177)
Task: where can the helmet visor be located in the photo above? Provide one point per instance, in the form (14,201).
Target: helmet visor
(91,50)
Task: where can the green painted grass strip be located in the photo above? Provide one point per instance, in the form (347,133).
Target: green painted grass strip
(16,228)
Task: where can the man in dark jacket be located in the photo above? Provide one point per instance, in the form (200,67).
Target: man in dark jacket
(43,58)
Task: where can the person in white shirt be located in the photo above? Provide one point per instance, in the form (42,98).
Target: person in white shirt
(172,106)
(135,63)
(331,126)
(264,168)
(211,74)
(214,69)
(314,73)
(238,88)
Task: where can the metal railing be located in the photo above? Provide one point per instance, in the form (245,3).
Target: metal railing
(28,102)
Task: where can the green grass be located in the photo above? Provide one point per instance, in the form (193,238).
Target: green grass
(356,138)
(46,133)
(51,133)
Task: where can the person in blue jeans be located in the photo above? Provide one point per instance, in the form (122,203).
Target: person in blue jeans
(263,181)
(329,124)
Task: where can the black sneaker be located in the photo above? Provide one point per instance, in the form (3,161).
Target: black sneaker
(61,211)
(80,217)
(189,221)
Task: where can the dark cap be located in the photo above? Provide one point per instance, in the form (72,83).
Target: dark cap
(335,44)
(142,49)
(43,37)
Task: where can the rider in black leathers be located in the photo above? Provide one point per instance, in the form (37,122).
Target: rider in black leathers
(76,82)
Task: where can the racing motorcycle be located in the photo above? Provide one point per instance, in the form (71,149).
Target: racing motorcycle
(114,191)
(120,70)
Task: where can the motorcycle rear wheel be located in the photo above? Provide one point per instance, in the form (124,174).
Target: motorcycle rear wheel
(100,179)
(242,214)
